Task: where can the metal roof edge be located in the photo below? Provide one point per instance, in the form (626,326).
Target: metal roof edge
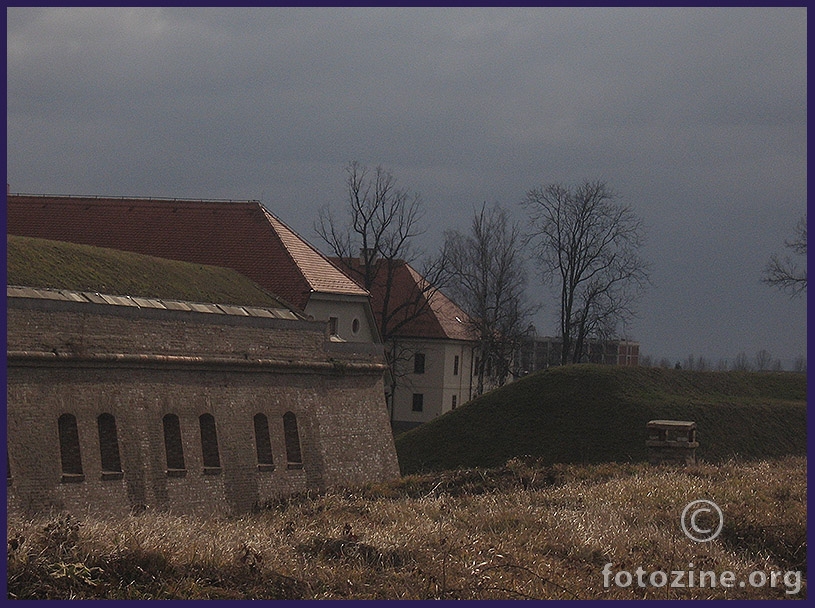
(88,297)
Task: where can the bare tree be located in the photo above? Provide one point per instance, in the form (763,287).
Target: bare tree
(588,245)
(382,221)
(800,364)
(763,360)
(689,363)
(785,273)
(699,364)
(741,363)
(372,242)
(488,279)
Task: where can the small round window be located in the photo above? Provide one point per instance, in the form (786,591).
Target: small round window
(355,326)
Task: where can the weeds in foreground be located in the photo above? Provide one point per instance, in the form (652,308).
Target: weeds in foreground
(519,531)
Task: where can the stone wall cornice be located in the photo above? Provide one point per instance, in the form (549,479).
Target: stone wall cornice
(19,358)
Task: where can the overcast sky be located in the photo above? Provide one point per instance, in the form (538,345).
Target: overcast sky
(695,117)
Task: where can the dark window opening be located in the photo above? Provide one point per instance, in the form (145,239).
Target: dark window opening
(209,442)
(455,365)
(418,402)
(109,447)
(455,401)
(263,443)
(333,326)
(293,454)
(69,449)
(172,445)
(418,363)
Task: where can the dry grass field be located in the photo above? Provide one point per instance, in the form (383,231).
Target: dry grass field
(523,530)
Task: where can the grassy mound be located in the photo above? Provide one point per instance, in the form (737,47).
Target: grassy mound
(591,413)
(42,263)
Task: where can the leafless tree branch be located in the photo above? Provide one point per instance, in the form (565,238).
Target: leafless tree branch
(785,273)
(588,245)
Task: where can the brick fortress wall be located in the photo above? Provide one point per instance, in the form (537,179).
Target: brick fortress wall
(84,365)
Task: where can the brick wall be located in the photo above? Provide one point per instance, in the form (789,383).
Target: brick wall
(139,365)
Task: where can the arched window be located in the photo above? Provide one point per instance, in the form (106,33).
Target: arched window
(263,443)
(293,456)
(209,443)
(172,446)
(69,448)
(109,447)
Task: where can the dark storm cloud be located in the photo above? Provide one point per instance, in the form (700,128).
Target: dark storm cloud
(696,117)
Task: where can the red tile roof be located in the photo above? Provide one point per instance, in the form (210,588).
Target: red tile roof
(440,318)
(243,236)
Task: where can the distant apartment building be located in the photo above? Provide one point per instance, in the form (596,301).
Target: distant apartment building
(540,352)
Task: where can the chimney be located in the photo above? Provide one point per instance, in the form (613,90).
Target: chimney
(365,255)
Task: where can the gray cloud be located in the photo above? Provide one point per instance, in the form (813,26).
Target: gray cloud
(695,116)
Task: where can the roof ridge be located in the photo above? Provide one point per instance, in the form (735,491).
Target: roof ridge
(135,199)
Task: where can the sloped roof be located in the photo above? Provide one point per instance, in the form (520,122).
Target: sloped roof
(242,235)
(312,264)
(440,318)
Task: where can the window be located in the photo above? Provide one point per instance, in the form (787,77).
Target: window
(109,447)
(263,443)
(455,365)
(455,401)
(355,326)
(70,456)
(333,325)
(418,402)
(475,367)
(209,444)
(293,455)
(173,447)
(418,363)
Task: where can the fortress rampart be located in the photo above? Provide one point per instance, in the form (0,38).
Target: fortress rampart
(125,404)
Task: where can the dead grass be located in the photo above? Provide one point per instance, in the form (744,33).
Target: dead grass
(519,531)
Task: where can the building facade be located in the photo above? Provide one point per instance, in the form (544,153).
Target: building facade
(120,404)
(435,376)
(429,339)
